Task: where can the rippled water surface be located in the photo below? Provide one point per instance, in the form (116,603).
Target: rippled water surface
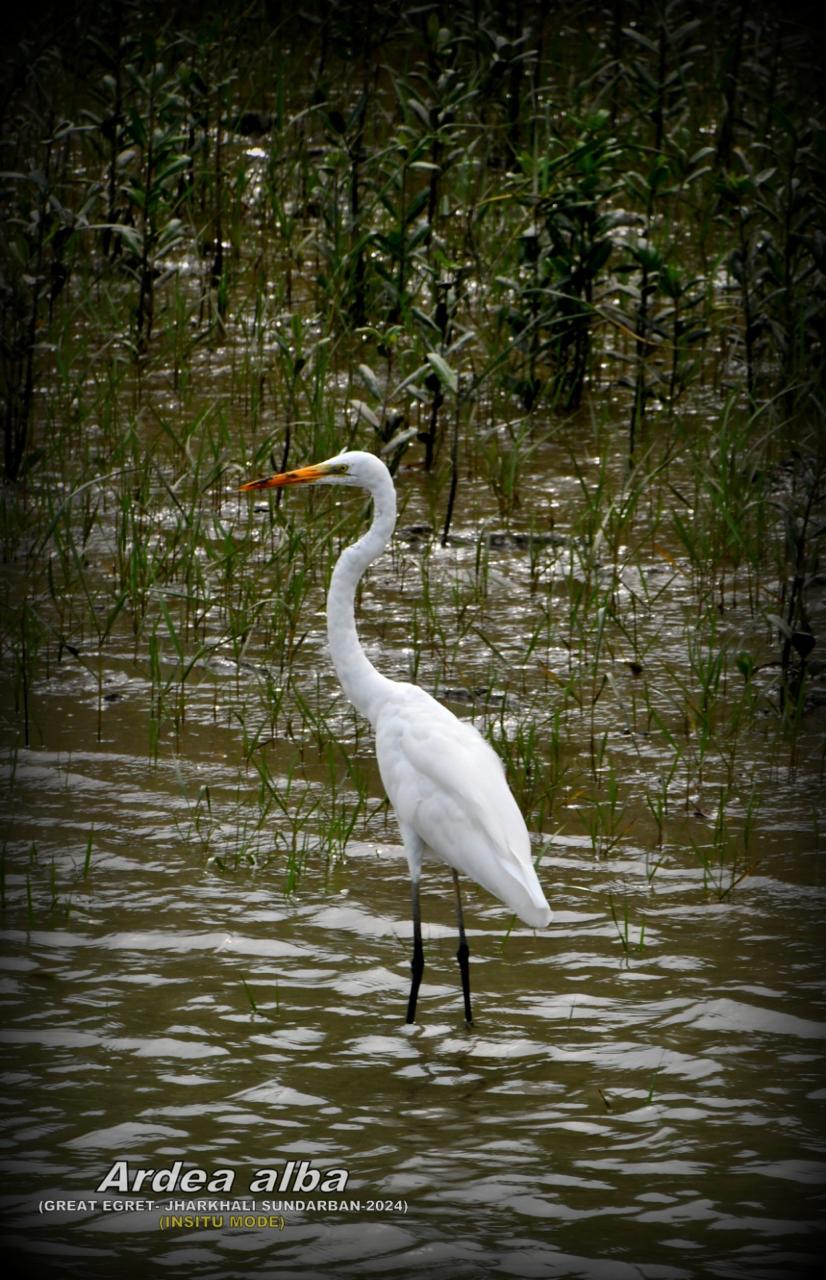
(569,256)
(641,1094)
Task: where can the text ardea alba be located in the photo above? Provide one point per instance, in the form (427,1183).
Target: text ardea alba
(446,783)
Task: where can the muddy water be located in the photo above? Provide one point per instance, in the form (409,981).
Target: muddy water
(642,1093)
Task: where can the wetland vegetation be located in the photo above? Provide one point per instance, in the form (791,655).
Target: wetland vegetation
(562,266)
(564,271)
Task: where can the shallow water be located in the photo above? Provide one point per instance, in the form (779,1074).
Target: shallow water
(192,977)
(641,1093)
(206,930)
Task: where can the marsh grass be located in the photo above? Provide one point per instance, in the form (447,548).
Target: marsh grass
(624,929)
(587,347)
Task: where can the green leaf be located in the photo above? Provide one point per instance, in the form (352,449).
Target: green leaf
(364,411)
(170,626)
(175,165)
(130,236)
(370,381)
(447,375)
(781,624)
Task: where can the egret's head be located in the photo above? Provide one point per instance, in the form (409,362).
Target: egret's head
(350,468)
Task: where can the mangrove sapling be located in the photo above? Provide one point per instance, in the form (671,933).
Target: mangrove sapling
(36,244)
(388,421)
(441,377)
(154,161)
(661,72)
(426,145)
(796,301)
(344,183)
(802,529)
(685,334)
(402,243)
(565,247)
(740,193)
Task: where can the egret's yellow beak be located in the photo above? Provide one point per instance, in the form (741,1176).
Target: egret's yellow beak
(303,475)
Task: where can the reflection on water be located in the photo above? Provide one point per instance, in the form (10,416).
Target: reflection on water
(650,1109)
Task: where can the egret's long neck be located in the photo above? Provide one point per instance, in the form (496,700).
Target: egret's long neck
(363,684)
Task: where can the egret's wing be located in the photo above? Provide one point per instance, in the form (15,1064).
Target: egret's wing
(448,785)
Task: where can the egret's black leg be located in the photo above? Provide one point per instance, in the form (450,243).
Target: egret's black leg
(417,963)
(463,954)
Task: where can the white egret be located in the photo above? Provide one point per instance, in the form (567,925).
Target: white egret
(446,784)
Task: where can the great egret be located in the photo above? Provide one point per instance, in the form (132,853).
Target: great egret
(445,782)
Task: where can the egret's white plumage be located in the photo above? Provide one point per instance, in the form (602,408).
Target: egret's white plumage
(447,786)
